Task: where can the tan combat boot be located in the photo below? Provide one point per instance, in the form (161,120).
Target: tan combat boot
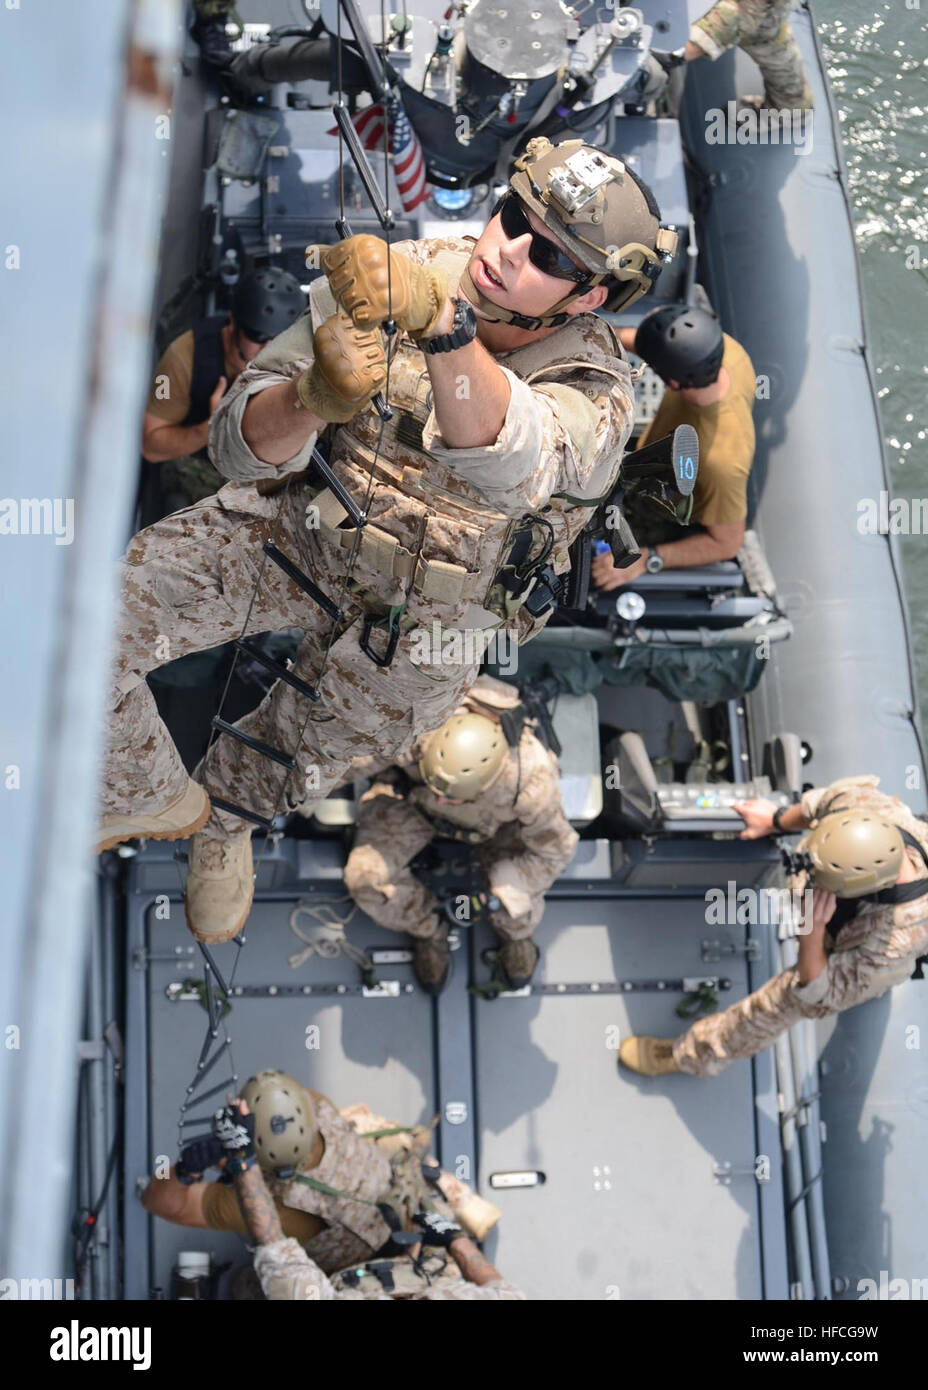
(648,1056)
(183,817)
(220,887)
(432,961)
(518,960)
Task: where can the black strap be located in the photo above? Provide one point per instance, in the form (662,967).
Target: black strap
(512,723)
(511,576)
(209,364)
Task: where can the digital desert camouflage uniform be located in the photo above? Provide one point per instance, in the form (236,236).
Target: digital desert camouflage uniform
(522,837)
(371,1171)
(286,1272)
(874,951)
(384,1167)
(441,524)
(762,29)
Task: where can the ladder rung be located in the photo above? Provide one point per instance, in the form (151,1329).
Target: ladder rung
(277,668)
(205,952)
(357,517)
(264,749)
(233,810)
(303,581)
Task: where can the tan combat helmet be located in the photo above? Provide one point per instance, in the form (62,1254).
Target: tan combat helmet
(464,757)
(854,852)
(601,211)
(285,1122)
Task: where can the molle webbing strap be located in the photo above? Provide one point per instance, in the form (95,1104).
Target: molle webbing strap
(436,579)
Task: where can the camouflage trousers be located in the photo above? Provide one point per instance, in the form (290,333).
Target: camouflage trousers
(287,1274)
(199,578)
(390,833)
(762,29)
(747,1027)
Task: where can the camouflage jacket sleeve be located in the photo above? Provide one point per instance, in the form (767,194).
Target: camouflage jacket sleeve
(546,840)
(564,431)
(886,941)
(286,357)
(287,1273)
(877,949)
(861,792)
(727,23)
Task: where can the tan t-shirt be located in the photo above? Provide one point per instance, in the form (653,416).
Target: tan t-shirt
(169,397)
(726,440)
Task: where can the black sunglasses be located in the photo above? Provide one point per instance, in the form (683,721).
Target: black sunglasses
(542,253)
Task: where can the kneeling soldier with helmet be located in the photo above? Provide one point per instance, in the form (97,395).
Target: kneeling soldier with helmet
(486,779)
(868,856)
(433,1260)
(343,1181)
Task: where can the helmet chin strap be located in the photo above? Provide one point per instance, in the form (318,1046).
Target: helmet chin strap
(551,319)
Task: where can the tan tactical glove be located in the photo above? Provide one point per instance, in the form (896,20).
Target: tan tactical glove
(373,283)
(349,368)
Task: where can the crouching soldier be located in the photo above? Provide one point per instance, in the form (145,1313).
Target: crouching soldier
(869,858)
(341,1181)
(444,1267)
(484,778)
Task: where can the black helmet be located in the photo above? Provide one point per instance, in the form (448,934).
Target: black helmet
(265,302)
(681,344)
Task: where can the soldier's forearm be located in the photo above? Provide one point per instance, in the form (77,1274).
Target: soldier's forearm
(174,442)
(471,395)
(165,1197)
(699,549)
(275,426)
(474,1266)
(793,818)
(812,957)
(259,1211)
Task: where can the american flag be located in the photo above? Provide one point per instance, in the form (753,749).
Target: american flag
(408,159)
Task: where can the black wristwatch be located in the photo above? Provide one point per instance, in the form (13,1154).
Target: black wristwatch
(777,818)
(463,331)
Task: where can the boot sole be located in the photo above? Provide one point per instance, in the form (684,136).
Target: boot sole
(183,833)
(219,940)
